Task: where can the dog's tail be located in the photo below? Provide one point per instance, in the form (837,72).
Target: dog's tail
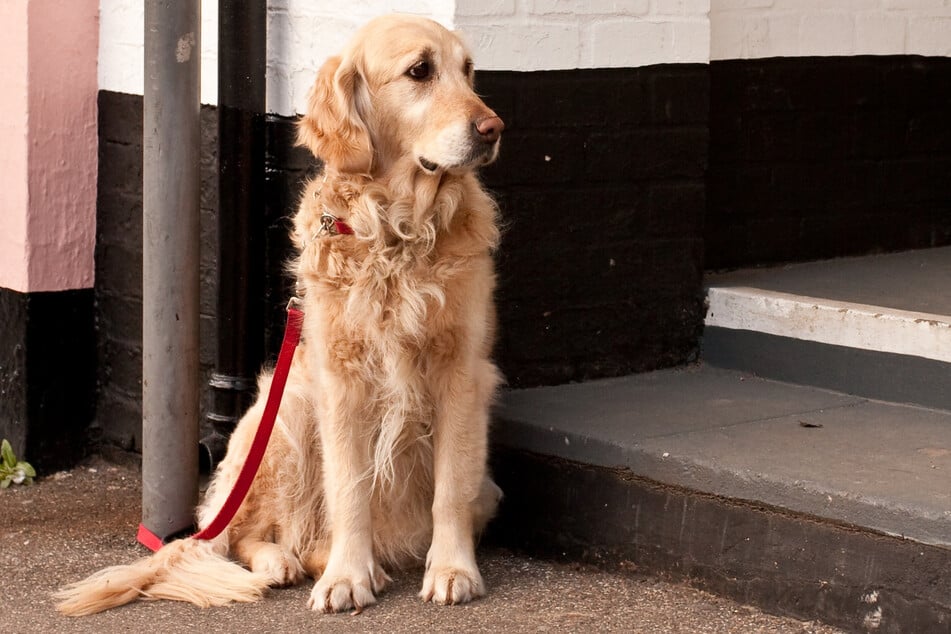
(185,570)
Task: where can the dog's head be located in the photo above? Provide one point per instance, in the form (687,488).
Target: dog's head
(402,88)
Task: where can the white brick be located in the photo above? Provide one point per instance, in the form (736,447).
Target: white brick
(689,8)
(628,43)
(485,7)
(299,83)
(739,5)
(865,5)
(879,34)
(919,5)
(278,97)
(591,7)
(826,34)
(929,36)
(691,42)
(121,67)
(727,35)
(668,7)
(780,39)
(524,47)
(121,22)
(814,6)
(121,41)
(754,38)
(297,46)
(439,10)
(209,51)
(697,7)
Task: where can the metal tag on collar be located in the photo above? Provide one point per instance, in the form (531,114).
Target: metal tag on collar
(328,224)
(331,225)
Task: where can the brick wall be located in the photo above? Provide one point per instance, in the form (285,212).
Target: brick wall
(823,157)
(601,188)
(565,34)
(118,289)
(520,35)
(47,374)
(744,29)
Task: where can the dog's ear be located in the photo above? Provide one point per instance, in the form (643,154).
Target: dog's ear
(332,127)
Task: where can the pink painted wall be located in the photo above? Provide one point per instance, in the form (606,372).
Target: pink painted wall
(14,193)
(50,228)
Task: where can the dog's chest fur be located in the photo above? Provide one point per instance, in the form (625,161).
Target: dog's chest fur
(392,304)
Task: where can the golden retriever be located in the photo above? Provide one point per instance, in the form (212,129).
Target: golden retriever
(378,456)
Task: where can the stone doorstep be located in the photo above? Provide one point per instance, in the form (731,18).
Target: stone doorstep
(804,501)
(876,326)
(782,562)
(829,321)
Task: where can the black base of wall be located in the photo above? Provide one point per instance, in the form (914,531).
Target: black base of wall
(47,375)
(822,157)
(785,563)
(119,255)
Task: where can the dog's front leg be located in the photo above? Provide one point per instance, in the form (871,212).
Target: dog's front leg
(352,577)
(459,453)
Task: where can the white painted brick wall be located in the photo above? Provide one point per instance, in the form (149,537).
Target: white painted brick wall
(774,28)
(528,35)
(531,35)
(121,44)
(505,35)
(301,35)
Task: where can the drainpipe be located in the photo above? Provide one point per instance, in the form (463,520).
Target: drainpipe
(170,280)
(242,50)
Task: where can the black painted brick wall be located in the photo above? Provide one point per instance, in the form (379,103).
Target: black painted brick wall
(288,167)
(823,157)
(601,185)
(47,367)
(118,288)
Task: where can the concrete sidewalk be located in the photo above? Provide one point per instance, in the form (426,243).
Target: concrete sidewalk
(73,523)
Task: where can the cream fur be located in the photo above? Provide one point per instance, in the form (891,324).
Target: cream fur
(378,457)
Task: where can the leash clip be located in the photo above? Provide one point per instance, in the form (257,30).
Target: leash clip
(328,224)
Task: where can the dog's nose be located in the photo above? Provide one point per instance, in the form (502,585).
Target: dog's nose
(490,129)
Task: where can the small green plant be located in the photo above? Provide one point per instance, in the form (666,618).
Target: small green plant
(13,471)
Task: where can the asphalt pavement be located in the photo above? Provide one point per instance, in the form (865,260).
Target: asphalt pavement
(72,523)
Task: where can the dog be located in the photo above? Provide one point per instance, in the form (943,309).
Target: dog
(378,459)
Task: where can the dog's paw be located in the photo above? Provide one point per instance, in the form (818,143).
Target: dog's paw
(451,585)
(280,566)
(336,592)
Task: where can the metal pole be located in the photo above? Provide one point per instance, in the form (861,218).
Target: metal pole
(242,57)
(170,251)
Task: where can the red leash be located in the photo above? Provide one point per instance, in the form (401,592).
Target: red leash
(292,332)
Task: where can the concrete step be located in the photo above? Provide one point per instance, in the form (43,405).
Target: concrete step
(877,326)
(805,501)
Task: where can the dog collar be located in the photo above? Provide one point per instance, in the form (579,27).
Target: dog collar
(331,225)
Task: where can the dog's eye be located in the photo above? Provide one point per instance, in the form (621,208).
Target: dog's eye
(420,71)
